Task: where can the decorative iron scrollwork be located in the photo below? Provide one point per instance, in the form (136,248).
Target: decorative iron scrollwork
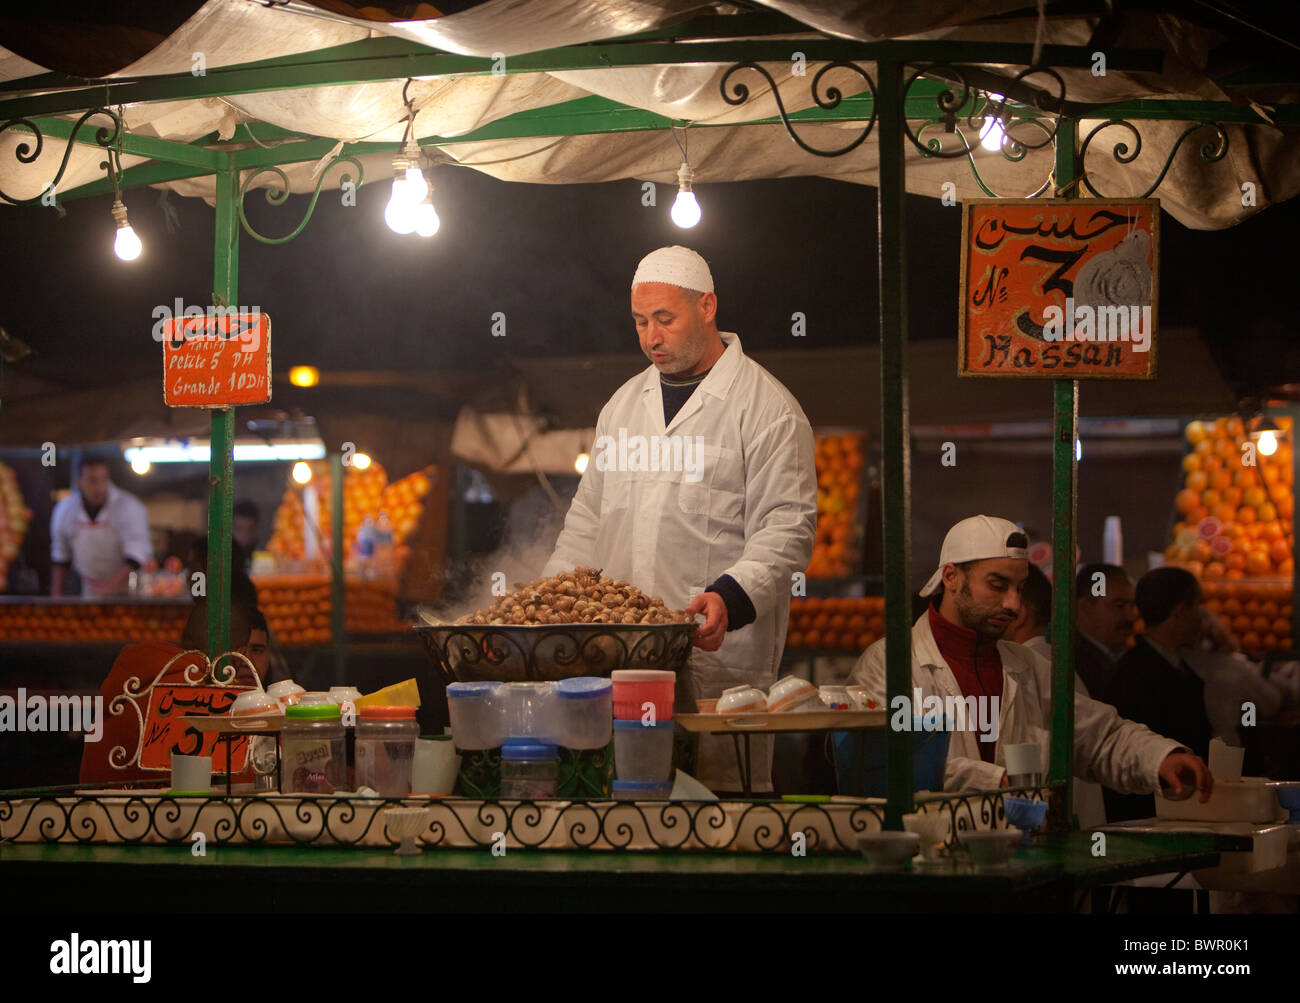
(27,153)
(1212,150)
(983,103)
(278,195)
(740,94)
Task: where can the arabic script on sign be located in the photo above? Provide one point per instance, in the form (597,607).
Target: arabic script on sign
(1059,288)
(166,729)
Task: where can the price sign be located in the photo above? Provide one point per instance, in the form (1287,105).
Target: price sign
(166,730)
(1059,288)
(217,359)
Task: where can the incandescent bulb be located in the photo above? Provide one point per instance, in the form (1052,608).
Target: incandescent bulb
(301,472)
(400,213)
(685,211)
(127,245)
(580,464)
(416,185)
(1268,443)
(426,219)
(361,461)
(140,465)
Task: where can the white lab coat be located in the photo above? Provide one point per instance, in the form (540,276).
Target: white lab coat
(1108,749)
(751,514)
(96,549)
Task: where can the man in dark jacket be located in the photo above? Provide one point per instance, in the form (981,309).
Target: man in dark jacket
(1104,614)
(1153,684)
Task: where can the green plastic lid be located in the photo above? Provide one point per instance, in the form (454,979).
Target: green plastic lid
(318,712)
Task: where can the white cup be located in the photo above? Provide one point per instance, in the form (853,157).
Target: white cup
(1024,764)
(191,773)
(435,766)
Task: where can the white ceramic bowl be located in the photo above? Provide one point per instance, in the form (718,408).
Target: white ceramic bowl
(255,703)
(889,850)
(738,699)
(991,847)
(791,693)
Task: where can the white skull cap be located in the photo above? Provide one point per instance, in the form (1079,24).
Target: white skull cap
(676,266)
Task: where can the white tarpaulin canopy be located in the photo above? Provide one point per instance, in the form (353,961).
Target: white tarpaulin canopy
(226,33)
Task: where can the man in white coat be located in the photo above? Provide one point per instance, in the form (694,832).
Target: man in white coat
(701,489)
(958,652)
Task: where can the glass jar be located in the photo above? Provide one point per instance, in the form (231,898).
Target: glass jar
(312,752)
(385,748)
(528,770)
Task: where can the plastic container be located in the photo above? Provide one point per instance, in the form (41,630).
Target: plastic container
(475,717)
(528,770)
(633,688)
(643,752)
(312,750)
(528,711)
(385,749)
(586,712)
(346,697)
(641,790)
(317,698)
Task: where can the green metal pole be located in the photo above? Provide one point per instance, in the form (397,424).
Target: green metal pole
(1065,427)
(338,615)
(221,464)
(895,434)
(1293,437)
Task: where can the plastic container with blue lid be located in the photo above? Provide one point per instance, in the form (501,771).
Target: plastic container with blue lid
(475,715)
(641,790)
(585,707)
(528,769)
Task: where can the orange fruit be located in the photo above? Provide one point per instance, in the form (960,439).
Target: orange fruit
(1235,573)
(1258,563)
(1246,515)
(1205,448)
(1232,607)
(1227,450)
(1250,641)
(1224,512)
(1195,432)
(1267,512)
(794,639)
(1281,626)
(1210,499)
(1196,568)
(1241,623)
(1191,462)
(1234,428)
(1220,480)
(1269,642)
(1260,624)
(1279,551)
(1254,497)
(1214,571)
(1197,481)
(1246,477)
(1186,500)
(1286,568)
(1232,495)
(1215,606)
(1196,513)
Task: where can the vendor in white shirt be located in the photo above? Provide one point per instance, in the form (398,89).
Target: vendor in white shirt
(101,531)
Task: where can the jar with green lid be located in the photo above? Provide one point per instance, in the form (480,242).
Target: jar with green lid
(312,751)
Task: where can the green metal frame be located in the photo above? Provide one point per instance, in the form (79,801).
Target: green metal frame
(712,39)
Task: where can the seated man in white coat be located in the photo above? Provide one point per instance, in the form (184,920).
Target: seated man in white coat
(701,489)
(958,652)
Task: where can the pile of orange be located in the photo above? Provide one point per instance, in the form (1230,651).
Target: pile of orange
(839,478)
(14,517)
(114,622)
(1236,519)
(297,608)
(1258,614)
(365,493)
(835,624)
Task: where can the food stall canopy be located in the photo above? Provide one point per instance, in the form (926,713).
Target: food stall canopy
(452,110)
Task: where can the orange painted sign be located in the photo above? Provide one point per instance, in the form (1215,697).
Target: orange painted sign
(1059,288)
(166,731)
(217,359)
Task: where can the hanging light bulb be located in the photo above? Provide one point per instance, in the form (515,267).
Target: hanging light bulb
(126,245)
(400,212)
(426,219)
(140,465)
(685,211)
(992,133)
(301,472)
(580,464)
(416,185)
(1267,443)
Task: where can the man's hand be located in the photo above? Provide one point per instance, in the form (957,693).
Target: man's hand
(709,635)
(1179,768)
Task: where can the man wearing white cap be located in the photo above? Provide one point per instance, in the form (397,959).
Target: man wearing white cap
(701,489)
(958,653)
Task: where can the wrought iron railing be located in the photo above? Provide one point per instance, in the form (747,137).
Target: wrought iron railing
(142,817)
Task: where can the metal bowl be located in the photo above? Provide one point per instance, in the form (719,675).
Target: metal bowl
(539,653)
